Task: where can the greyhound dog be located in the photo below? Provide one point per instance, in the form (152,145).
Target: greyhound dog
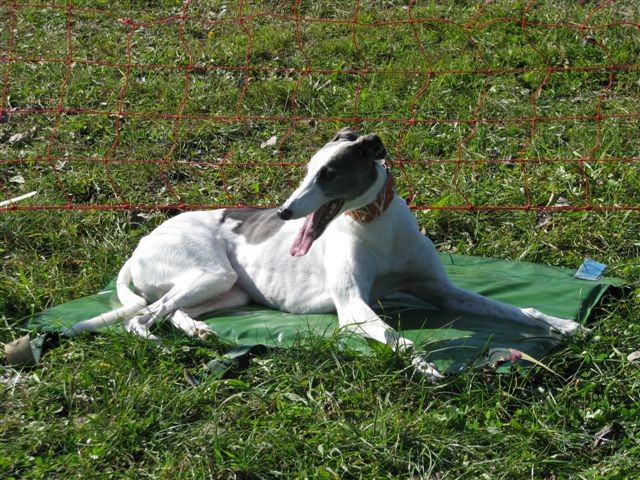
(342,240)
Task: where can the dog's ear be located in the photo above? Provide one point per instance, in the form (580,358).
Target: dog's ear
(346,133)
(373,147)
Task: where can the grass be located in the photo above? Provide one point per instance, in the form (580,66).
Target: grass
(114,407)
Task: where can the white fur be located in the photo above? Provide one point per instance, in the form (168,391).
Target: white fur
(194,263)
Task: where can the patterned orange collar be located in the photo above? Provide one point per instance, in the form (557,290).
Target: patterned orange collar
(373,210)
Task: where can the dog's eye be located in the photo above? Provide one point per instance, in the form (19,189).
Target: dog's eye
(327,174)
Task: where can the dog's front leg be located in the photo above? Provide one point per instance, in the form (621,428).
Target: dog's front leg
(350,274)
(350,287)
(358,317)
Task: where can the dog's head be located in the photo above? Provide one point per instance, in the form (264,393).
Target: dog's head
(338,177)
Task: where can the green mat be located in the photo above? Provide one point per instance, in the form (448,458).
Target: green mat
(450,340)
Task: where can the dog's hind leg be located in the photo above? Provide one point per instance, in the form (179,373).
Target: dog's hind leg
(183,319)
(193,328)
(434,286)
(140,327)
(193,288)
(236,297)
(449,297)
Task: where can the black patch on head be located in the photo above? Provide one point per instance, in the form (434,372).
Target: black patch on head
(352,169)
(254,224)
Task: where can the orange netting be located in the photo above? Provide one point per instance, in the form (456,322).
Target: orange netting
(496,128)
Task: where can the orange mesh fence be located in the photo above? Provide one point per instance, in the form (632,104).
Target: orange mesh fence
(199,105)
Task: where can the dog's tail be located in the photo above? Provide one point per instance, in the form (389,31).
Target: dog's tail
(125,294)
(132,304)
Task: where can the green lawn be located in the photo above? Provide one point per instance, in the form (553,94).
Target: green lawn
(484,108)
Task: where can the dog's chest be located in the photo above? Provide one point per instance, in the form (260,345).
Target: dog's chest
(271,276)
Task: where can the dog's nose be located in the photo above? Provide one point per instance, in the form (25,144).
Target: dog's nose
(285,213)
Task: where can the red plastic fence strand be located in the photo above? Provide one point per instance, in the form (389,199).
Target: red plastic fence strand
(534,99)
(344,71)
(363,69)
(60,108)
(476,111)
(294,92)
(423,88)
(4,117)
(120,115)
(598,118)
(288,165)
(343,119)
(176,123)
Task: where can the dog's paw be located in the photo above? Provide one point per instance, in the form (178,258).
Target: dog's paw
(196,329)
(191,327)
(426,369)
(201,330)
(141,329)
(568,328)
(403,344)
(562,326)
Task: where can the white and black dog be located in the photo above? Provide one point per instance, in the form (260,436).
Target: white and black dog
(341,241)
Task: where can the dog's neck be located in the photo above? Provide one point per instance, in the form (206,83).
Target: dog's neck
(373,210)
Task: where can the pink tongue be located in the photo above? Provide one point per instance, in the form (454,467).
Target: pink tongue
(305,237)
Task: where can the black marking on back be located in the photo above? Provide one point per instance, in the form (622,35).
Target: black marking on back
(254,224)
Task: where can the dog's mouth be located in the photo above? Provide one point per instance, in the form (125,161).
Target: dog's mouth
(314,225)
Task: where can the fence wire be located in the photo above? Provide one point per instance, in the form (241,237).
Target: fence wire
(497,106)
